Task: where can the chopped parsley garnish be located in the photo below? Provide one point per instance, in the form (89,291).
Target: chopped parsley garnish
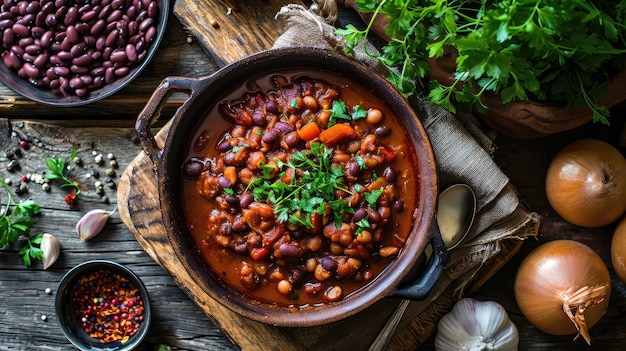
(340,111)
(310,188)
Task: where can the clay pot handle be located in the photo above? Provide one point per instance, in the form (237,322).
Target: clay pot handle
(151,112)
(419,288)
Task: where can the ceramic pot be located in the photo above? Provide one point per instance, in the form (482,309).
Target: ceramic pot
(205,92)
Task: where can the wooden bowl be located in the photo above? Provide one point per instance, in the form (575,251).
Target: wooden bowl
(203,94)
(47,96)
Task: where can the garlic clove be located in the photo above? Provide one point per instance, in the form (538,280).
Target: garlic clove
(476,325)
(51,249)
(92,223)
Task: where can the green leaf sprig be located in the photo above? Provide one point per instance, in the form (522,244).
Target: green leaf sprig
(59,171)
(310,192)
(16,222)
(339,111)
(563,51)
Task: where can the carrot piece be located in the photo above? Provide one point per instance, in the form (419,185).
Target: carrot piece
(336,134)
(309,131)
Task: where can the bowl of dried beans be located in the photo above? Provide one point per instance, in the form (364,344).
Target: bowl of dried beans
(102,304)
(69,53)
(297,186)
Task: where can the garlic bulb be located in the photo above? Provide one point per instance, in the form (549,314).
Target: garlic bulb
(51,249)
(473,325)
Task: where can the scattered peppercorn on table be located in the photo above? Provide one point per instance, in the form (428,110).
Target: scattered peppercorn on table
(104,137)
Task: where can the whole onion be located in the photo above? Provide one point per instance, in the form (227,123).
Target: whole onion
(586,183)
(618,250)
(563,287)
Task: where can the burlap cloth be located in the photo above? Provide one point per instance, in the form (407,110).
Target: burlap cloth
(462,152)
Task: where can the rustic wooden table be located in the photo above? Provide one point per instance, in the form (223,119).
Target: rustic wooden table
(106,127)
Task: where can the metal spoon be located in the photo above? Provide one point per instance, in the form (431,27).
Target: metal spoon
(455,215)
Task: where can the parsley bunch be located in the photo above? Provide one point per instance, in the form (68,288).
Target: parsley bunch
(561,51)
(16,222)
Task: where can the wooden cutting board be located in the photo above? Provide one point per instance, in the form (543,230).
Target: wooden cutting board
(140,210)
(231,29)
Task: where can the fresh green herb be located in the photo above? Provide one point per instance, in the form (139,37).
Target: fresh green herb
(362,225)
(339,111)
(235,149)
(563,51)
(229,191)
(360,162)
(372,197)
(293,103)
(59,170)
(311,191)
(16,222)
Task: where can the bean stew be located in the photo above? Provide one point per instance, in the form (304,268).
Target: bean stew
(298,191)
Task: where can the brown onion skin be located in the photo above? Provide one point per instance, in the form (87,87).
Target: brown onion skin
(618,250)
(586,183)
(554,267)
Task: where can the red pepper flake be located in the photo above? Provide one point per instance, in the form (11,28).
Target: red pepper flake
(69,198)
(236,8)
(23,143)
(108,307)
(24,178)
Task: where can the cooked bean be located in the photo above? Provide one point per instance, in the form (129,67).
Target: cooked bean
(382,131)
(245,200)
(359,215)
(283,127)
(333,293)
(292,139)
(389,174)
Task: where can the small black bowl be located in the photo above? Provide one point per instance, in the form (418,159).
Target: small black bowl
(71,322)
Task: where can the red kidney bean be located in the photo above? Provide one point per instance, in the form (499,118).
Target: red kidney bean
(80,92)
(131,12)
(28,57)
(83,60)
(150,34)
(37,32)
(61,71)
(87,79)
(66,44)
(82,28)
(51,19)
(97,71)
(8,37)
(56,61)
(72,34)
(131,52)
(79,69)
(60,12)
(89,16)
(111,38)
(98,27)
(96,55)
(117,4)
(17,50)
(55,84)
(41,60)
(389,174)
(47,8)
(31,71)
(122,71)
(24,42)
(21,30)
(71,16)
(105,12)
(6,23)
(145,24)
(153,9)
(90,41)
(114,16)
(27,20)
(76,82)
(40,19)
(78,49)
(109,75)
(33,7)
(245,200)
(118,55)
(64,55)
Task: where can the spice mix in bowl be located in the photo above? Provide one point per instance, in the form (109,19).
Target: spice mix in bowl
(101,304)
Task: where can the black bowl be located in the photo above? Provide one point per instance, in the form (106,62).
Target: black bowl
(70,321)
(47,96)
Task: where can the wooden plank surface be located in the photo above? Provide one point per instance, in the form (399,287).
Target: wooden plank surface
(231,29)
